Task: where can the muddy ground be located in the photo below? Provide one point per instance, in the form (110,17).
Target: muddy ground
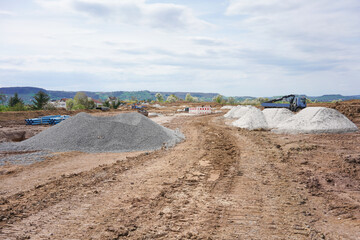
(221,183)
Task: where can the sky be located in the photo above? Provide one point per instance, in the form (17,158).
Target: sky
(231,47)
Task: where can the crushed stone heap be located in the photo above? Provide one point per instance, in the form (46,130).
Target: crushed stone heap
(275,116)
(316,120)
(121,133)
(227,107)
(252,119)
(238,111)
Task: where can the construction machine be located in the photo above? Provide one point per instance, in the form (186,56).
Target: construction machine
(295,103)
(136,106)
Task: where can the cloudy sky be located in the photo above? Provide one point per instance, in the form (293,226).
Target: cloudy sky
(233,47)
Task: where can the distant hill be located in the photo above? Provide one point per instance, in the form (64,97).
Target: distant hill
(26,93)
(329,98)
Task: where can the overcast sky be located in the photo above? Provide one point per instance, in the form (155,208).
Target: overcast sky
(233,47)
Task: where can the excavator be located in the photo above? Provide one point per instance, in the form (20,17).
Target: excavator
(295,103)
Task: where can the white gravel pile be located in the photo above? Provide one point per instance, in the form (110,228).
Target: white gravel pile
(157,106)
(252,119)
(238,111)
(275,116)
(227,107)
(121,133)
(316,120)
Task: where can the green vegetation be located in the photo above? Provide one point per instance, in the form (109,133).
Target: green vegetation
(190,98)
(81,99)
(15,103)
(172,98)
(107,103)
(69,104)
(231,100)
(15,100)
(115,104)
(2,98)
(219,99)
(40,100)
(159,97)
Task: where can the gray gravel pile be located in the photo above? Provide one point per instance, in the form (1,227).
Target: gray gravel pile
(87,133)
(25,158)
(316,120)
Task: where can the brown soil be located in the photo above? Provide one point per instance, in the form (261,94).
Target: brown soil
(221,183)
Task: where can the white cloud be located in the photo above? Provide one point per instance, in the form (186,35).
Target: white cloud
(260,6)
(166,46)
(132,12)
(6,13)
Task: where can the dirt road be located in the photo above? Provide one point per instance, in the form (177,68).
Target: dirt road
(221,183)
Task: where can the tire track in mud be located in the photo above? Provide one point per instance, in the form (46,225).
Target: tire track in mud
(267,204)
(23,204)
(220,183)
(180,207)
(185,208)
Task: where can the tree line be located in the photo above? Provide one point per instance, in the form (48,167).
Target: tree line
(15,103)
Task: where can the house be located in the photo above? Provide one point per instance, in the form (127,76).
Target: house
(59,103)
(97,103)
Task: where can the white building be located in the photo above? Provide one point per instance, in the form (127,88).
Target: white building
(59,103)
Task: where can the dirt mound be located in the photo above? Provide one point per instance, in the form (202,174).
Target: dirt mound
(252,119)
(121,133)
(275,116)
(316,120)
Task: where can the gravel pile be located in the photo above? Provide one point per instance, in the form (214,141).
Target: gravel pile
(25,158)
(252,119)
(316,120)
(227,107)
(275,116)
(157,106)
(238,111)
(87,133)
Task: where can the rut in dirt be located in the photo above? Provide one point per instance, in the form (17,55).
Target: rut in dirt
(182,207)
(220,183)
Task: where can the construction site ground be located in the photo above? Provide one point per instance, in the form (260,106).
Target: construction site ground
(220,183)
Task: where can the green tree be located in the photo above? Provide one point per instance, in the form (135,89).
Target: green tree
(40,100)
(172,98)
(69,104)
(219,99)
(18,107)
(81,99)
(2,98)
(90,104)
(15,100)
(189,98)
(231,100)
(115,104)
(107,103)
(262,100)
(159,97)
